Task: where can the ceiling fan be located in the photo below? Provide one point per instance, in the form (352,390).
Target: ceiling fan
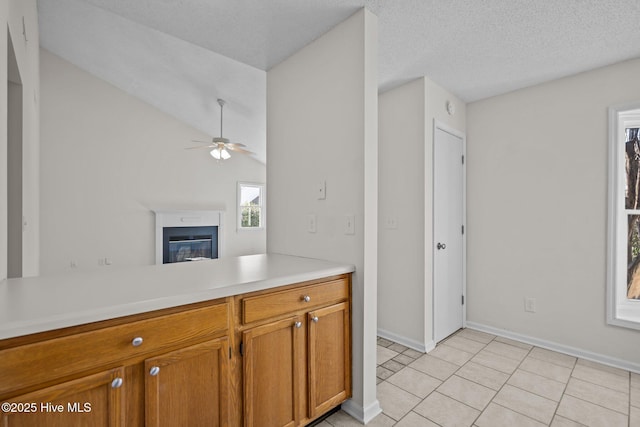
(221,146)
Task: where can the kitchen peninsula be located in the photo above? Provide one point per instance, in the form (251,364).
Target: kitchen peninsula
(258,340)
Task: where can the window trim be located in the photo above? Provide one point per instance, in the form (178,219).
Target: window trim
(620,310)
(263,216)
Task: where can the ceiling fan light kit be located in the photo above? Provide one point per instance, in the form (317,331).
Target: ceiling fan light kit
(220,145)
(220,153)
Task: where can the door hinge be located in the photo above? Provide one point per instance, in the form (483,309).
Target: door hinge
(241,348)
(229,352)
(463,160)
(462,299)
(463,229)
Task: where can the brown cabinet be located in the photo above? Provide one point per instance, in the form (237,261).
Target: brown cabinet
(184,366)
(297,361)
(93,400)
(189,386)
(329,358)
(273,363)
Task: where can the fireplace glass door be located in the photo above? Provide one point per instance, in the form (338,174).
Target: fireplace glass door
(181,244)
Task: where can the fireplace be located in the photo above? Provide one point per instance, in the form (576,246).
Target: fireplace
(183,236)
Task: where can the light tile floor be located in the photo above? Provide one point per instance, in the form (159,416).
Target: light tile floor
(480,380)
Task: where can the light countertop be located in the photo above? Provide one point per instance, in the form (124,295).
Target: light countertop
(39,304)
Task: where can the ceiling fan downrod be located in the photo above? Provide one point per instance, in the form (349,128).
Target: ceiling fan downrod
(221,102)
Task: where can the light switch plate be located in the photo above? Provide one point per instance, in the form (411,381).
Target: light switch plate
(350,224)
(530,305)
(311,223)
(322,190)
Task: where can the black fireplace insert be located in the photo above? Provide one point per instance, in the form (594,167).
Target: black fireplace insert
(181,244)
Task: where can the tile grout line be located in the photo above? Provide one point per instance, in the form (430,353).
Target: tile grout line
(476,353)
(628,414)
(564,390)
(601,385)
(460,367)
(507,382)
(524,415)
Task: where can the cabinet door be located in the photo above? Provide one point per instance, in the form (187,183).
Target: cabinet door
(92,401)
(329,358)
(188,387)
(274,363)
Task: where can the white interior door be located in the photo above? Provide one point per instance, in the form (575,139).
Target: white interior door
(448,221)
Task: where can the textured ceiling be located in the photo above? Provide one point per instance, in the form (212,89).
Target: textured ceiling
(476,49)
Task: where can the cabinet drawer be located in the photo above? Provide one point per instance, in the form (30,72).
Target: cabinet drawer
(43,361)
(273,304)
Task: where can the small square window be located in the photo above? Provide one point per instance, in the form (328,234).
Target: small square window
(250,206)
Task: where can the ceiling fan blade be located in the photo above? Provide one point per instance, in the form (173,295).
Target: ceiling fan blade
(234,144)
(240,150)
(204,142)
(201,146)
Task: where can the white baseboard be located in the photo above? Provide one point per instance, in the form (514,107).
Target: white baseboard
(430,346)
(357,411)
(407,342)
(572,351)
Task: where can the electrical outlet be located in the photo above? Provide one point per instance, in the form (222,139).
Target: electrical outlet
(530,305)
(390,222)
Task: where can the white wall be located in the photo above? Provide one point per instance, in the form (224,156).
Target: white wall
(401,280)
(322,126)
(537,204)
(108,158)
(12,13)
(405,265)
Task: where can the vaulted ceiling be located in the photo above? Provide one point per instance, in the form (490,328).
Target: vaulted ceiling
(181,55)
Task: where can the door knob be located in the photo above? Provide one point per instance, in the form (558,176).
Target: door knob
(441,246)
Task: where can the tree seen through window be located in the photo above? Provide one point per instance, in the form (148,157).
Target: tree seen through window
(632,204)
